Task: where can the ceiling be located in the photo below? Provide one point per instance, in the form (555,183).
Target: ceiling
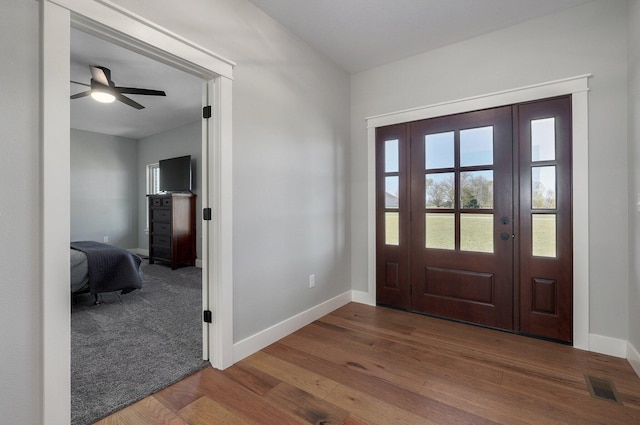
(362,34)
(355,34)
(182,104)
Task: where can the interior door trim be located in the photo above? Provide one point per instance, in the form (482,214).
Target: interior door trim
(576,86)
(57,17)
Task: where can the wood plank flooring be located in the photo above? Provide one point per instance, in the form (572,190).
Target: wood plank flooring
(371,365)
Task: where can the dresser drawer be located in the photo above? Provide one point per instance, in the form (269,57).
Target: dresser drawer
(160,215)
(160,229)
(166,202)
(160,252)
(156,202)
(161,241)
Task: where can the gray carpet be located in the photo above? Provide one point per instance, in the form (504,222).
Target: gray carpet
(133,345)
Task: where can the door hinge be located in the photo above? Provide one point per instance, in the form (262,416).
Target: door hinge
(410,290)
(206,111)
(206,214)
(208,316)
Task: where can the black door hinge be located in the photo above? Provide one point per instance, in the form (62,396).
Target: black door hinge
(206,111)
(206,214)
(208,317)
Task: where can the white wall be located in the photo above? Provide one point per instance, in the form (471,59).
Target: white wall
(634,177)
(290,159)
(104,188)
(586,39)
(185,140)
(21,346)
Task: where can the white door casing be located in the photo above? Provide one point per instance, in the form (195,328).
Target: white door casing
(115,24)
(577,87)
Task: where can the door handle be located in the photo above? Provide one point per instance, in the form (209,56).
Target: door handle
(505,236)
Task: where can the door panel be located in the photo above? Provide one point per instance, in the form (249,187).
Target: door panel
(461,268)
(546,252)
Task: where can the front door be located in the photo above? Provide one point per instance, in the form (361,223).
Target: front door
(471,225)
(462,217)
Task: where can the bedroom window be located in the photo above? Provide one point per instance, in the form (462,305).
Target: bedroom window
(153,179)
(153,185)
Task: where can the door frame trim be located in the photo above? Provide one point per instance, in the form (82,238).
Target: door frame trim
(103,18)
(578,87)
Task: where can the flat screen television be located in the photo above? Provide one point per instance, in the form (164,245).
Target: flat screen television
(175,174)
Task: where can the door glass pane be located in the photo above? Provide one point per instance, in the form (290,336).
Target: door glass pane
(439,190)
(439,150)
(476,232)
(391,192)
(543,139)
(440,231)
(391,163)
(476,146)
(476,189)
(543,229)
(543,187)
(392,228)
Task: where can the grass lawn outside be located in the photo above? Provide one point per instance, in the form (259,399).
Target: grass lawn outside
(476,232)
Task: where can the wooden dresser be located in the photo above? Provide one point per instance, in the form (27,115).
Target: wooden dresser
(172,229)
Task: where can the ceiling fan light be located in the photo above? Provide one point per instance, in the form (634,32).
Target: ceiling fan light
(102,96)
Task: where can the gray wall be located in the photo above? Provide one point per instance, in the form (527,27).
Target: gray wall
(634,173)
(185,140)
(104,188)
(108,182)
(586,39)
(290,159)
(20,192)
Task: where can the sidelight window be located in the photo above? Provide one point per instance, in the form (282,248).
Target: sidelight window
(392,192)
(543,188)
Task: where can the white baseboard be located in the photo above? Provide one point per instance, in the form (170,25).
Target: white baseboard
(633,357)
(140,251)
(607,345)
(362,298)
(257,342)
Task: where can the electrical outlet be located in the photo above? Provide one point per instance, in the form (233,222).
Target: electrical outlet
(312,280)
(106,239)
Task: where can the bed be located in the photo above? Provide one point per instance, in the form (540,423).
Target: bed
(98,267)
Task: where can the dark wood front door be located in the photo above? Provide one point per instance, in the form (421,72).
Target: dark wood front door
(467,207)
(461,266)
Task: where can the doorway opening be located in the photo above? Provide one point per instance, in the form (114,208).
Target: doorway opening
(111,146)
(474,217)
(122,27)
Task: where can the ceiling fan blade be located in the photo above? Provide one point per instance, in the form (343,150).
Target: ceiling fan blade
(128,101)
(146,92)
(101,74)
(81,94)
(82,84)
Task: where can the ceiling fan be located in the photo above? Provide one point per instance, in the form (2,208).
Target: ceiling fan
(103,89)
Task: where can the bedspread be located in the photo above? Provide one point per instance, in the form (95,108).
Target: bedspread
(110,268)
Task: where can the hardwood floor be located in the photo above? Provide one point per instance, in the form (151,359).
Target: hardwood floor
(371,365)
